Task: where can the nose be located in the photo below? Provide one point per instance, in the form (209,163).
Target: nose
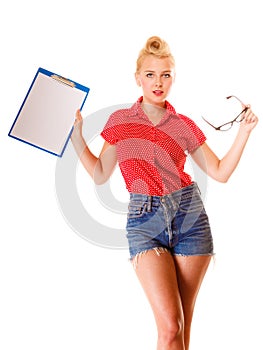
(158,82)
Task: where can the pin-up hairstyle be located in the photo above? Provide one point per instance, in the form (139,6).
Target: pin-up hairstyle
(157,47)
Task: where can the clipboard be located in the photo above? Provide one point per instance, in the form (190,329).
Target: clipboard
(46,117)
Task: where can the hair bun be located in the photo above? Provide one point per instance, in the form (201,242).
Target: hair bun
(154,46)
(157,46)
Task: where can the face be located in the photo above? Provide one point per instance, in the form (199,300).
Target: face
(156,77)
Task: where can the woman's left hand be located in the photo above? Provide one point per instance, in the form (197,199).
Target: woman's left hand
(250,120)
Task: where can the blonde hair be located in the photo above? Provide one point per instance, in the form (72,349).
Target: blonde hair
(157,47)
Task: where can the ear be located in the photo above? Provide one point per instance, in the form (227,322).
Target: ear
(138,79)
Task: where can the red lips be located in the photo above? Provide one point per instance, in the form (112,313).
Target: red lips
(158,92)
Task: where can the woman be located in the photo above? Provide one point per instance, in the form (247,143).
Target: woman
(167,228)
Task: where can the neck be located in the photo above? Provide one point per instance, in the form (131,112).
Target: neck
(154,110)
(154,113)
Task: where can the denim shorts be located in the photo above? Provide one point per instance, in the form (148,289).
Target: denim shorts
(176,222)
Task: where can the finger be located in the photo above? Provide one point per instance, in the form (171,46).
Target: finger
(248,111)
(78,116)
(253,118)
(78,113)
(250,117)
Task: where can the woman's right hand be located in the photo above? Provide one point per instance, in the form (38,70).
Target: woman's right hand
(78,123)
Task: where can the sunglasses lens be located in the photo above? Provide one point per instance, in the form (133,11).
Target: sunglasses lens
(226,127)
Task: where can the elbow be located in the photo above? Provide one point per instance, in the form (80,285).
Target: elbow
(221,174)
(101,175)
(98,176)
(99,180)
(221,178)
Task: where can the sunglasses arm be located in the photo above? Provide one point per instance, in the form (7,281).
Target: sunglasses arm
(216,128)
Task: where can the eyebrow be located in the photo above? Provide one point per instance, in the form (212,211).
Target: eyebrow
(153,71)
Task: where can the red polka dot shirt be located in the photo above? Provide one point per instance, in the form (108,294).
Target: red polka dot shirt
(152,157)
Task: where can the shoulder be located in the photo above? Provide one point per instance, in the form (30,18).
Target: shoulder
(121,115)
(191,132)
(116,124)
(188,121)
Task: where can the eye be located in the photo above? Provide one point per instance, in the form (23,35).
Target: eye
(149,75)
(167,75)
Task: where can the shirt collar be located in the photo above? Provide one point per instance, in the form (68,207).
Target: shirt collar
(136,109)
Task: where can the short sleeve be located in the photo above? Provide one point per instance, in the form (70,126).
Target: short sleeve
(110,130)
(194,135)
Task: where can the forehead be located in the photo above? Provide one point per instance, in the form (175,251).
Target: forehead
(152,63)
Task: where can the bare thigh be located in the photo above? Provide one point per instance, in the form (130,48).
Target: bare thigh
(158,277)
(190,274)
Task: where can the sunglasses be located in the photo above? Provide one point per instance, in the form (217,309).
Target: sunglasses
(238,119)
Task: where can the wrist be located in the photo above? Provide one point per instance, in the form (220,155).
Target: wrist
(78,140)
(76,135)
(243,133)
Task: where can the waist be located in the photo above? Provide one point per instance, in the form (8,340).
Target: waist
(176,196)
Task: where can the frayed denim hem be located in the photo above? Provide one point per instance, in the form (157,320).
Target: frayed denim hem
(158,250)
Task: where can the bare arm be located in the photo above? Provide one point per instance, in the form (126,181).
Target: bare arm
(221,169)
(100,168)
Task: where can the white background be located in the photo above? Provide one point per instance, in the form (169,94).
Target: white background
(58,291)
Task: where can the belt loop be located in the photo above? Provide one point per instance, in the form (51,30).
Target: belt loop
(149,204)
